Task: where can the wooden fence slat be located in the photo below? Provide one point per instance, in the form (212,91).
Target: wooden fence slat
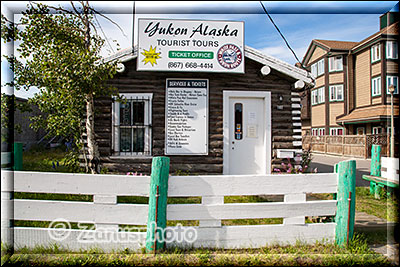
(74,211)
(275,184)
(74,183)
(250,210)
(32,237)
(250,236)
(290,198)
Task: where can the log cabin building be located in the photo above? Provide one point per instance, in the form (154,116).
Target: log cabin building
(263,102)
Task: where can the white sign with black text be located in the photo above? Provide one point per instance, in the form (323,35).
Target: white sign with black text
(186,117)
(190,45)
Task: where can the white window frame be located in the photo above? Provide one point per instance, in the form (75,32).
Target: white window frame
(392,50)
(321,95)
(375,53)
(335,63)
(115,145)
(335,130)
(334,92)
(377,130)
(321,67)
(389,81)
(314,69)
(376,84)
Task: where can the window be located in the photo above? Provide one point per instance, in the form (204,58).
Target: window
(336,92)
(314,70)
(318,131)
(321,67)
(318,96)
(375,53)
(360,130)
(321,95)
(335,63)
(392,80)
(391,50)
(376,130)
(336,131)
(318,68)
(132,125)
(376,86)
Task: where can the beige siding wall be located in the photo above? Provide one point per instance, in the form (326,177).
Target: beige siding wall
(392,67)
(376,69)
(318,52)
(377,100)
(320,81)
(318,116)
(335,109)
(336,78)
(363,79)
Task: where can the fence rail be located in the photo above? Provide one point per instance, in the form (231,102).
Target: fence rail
(346,145)
(105,212)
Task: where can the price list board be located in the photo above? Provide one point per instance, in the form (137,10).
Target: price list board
(186,117)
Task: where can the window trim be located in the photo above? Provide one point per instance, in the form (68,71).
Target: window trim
(379,83)
(375,53)
(396,56)
(148,97)
(333,65)
(320,97)
(387,84)
(331,129)
(318,68)
(336,94)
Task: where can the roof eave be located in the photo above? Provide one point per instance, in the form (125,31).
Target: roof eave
(280,66)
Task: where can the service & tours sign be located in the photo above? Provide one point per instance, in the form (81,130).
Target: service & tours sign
(191,45)
(186,117)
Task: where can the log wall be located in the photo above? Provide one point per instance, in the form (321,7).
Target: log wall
(132,81)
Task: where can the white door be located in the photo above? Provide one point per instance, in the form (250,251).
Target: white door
(246,134)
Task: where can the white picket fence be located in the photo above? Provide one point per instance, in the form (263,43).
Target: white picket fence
(105,212)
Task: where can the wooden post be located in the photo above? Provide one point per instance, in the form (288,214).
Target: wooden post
(157,218)
(375,168)
(345,213)
(17,151)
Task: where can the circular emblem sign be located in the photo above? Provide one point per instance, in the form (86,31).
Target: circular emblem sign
(229,56)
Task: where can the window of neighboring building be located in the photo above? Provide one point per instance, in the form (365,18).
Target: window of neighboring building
(391,50)
(336,63)
(132,125)
(317,68)
(375,53)
(318,96)
(336,131)
(376,86)
(318,131)
(376,130)
(336,92)
(392,80)
(360,130)
(321,67)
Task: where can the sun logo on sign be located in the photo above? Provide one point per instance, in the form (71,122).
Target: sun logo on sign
(150,56)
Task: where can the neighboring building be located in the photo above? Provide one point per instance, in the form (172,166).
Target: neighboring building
(350,95)
(263,101)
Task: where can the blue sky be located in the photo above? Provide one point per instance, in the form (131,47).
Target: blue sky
(299,21)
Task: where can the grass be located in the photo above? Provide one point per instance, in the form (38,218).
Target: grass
(301,254)
(385,208)
(46,160)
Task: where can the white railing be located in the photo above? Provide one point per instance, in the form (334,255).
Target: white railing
(105,212)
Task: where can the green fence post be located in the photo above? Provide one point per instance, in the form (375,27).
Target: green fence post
(157,218)
(17,154)
(345,211)
(375,169)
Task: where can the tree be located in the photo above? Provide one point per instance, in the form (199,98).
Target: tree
(60,55)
